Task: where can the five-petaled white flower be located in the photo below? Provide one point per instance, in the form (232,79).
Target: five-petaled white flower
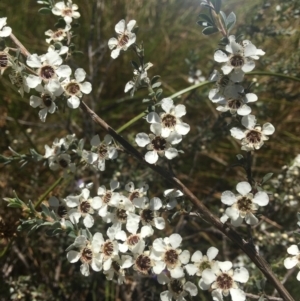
(89,253)
(61,161)
(165,254)
(158,145)
(171,119)
(74,88)
(49,71)
(244,205)
(201,262)
(222,279)
(68,12)
(125,38)
(85,207)
(58,35)
(196,77)
(5,31)
(291,262)
(171,195)
(240,58)
(254,136)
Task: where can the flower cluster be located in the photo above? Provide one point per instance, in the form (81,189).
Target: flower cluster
(230,95)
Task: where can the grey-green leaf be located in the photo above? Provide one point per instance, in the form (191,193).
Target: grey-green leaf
(230,21)
(209,30)
(44,10)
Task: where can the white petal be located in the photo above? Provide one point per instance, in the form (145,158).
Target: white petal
(73,102)
(243,188)
(251,97)
(95,141)
(249,121)
(175,240)
(225,265)
(167,104)
(35,101)
(293,250)
(197,256)
(228,197)
(142,139)
(120,26)
(171,153)
(32,81)
(155,203)
(86,88)
(73,256)
(151,157)
(72,201)
(153,117)
(241,275)
(43,114)
(165,296)
(212,253)
(203,285)
(88,221)
(220,56)
(191,288)
(84,269)
(159,267)
(115,53)
(97,202)
(79,75)
(290,262)
(34,61)
(191,269)
(251,219)
(237,133)
(208,276)
(261,198)
(130,25)
(64,71)
(237,294)
(159,223)
(158,245)
(112,43)
(248,66)
(182,128)
(227,69)
(180,111)
(268,129)
(177,272)
(244,110)
(184,257)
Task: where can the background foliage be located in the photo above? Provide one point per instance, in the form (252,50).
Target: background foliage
(35,267)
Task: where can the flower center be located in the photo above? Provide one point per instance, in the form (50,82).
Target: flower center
(223,81)
(237,61)
(3,60)
(47,72)
(224,281)
(85,207)
(143,263)
(47,100)
(102,151)
(115,266)
(63,163)
(134,195)
(253,136)
(244,204)
(133,239)
(169,120)
(171,258)
(204,265)
(62,211)
(73,88)
(108,248)
(147,216)
(86,255)
(234,104)
(123,39)
(107,197)
(176,286)
(159,143)
(121,215)
(59,33)
(67,12)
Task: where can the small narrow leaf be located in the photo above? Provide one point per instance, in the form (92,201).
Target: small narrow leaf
(230,21)
(218,4)
(44,10)
(156,85)
(209,30)
(155,79)
(134,65)
(267,177)
(206,18)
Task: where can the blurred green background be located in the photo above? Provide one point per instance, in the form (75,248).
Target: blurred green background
(35,267)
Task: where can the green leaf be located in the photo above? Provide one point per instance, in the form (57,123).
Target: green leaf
(134,65)
(156,85)
(207,18)
(218,4)
(154,79)
(223,15)
(45,10)
(159,92)
(267,177)
(45,209)
(230,21)
(209,30)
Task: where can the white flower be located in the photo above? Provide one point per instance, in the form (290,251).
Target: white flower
(195,77)
(5,31)
(178,289)
(171,195)
(108,197)
(45,102)
(88,254)
(49,71)
(237,103)
(85,206)
(243,205)
(171,119)
(240,58)
(149,213)
(125,38)
(59,207)
(58,35)
(119,266)
(101,151)
(139,193)
(201,262)
(158,145)
(291,262)
(254,136)
(223,280)
(59,146)
(74,88)
(62,161)
(143,262)
(165,254)
(140,77)
(68,12)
